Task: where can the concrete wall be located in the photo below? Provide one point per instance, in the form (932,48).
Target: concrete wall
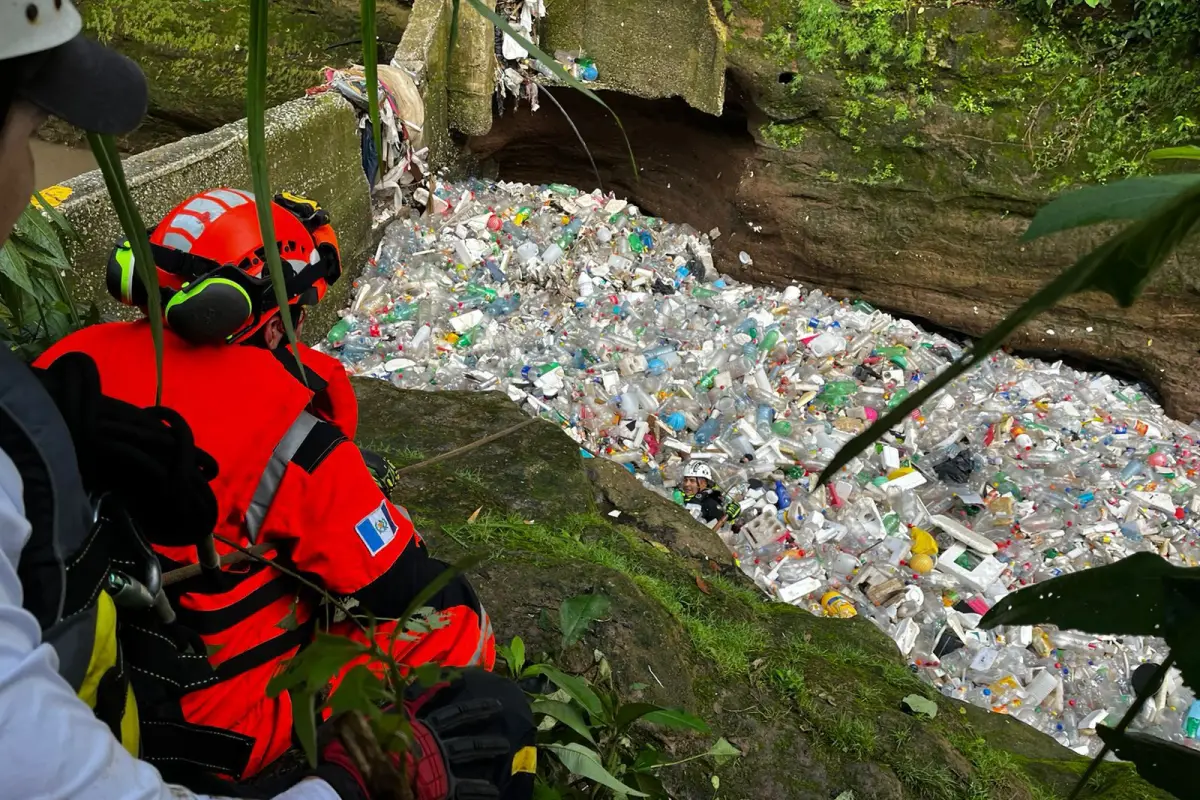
(424,52)
(313,150)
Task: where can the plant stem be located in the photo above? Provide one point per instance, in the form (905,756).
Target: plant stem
(1160,675)
(340,605)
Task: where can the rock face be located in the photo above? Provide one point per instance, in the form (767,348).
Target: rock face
(904,175)
(813,704)
(194,54)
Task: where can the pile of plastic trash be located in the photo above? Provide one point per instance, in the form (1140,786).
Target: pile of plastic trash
(617,326)
(519,75)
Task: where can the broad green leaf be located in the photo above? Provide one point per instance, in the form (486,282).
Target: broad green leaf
(1191,152)
(577,613)
(647,759)
(35,230)
(371,75)
(920,705)
(256,143)
(566,714)
(557,70)
(586,763)
(1121,267)
(574,686)
(360,690)
(1169,766)
(517,648)
(13,267)
(678,719)
(1133,198)
(1128,597)
(675,718)
(723,752)
(304,721)
(56,216)
(314,666)
(651,784)
(104,148)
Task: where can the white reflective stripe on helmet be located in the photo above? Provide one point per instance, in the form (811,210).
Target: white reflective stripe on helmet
(31,26)
(697,469)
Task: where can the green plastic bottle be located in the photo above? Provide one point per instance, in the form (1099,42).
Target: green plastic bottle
(400,312)
(708,380)
(769,340)
(781,427)
(339,331)
(635,243)
(699,292)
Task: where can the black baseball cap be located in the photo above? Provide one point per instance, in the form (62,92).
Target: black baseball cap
(66,74)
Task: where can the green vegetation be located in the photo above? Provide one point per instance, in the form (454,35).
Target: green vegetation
(1088,95)
(787,136)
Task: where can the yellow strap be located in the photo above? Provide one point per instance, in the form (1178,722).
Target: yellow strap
(104,658)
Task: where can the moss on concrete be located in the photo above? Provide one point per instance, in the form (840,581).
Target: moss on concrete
(472,78)
(424,52)
(313,150)
(194,52)
(661,49)
(814,704)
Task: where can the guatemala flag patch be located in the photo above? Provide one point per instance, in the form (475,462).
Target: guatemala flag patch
(377,528)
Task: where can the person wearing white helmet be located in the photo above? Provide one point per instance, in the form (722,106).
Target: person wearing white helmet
(703,498)
(64,697)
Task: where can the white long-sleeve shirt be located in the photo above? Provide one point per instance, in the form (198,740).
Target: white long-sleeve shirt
(51,745)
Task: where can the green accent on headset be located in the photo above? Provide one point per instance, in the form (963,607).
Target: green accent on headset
(124,256)
(188,291)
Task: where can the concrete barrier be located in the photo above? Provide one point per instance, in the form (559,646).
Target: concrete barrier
(313,149)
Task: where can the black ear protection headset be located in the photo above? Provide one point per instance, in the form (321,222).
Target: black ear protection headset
(222,302)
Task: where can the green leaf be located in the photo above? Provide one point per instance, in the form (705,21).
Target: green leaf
(544,791)
(576,613)
(104,148)
(1169,766)
(304,720)
(1128,597)
(360,690)
(650,784)
(566,714)
(371,75)
(1121,267)
(723,752)
(919,705)
(586,763)
(56,216)
(313,667)
(1190,151)
(517,648)
(1133,198)
(557,70)
(35,230)
(675,718)
(574,686)
(13,267)
(647,759)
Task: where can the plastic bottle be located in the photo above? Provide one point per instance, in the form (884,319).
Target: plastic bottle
(709,430)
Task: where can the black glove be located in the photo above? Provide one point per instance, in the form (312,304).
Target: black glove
(382,470)
(474,740)
(311,215)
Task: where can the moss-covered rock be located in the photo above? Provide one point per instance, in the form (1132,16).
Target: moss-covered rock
(814,704)
(194,54)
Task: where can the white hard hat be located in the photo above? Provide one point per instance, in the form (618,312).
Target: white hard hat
(31,26)
(698,469)
(66,74)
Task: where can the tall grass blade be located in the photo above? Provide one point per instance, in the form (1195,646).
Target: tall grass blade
(556,69)
(104,148)
(256,128)
(578,135)
(370,51)
(454,11)
(60,221)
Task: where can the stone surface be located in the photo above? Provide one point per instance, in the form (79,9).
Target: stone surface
(814,704)
(670,48)
(425,53)
(313,150)
(194,54)
(472,78)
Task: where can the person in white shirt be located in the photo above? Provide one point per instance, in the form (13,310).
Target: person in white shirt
(53,744)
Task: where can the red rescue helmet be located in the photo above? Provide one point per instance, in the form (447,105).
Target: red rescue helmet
(212,273)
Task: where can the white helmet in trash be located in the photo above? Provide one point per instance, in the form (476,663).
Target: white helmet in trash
(65,74)
(698,469)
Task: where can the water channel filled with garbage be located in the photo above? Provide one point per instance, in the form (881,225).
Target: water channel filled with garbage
(617,326)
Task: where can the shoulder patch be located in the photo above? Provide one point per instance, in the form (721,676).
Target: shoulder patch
(377,528)
(317,446)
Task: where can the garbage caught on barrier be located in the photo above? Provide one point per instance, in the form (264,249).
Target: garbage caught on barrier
(617,326)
